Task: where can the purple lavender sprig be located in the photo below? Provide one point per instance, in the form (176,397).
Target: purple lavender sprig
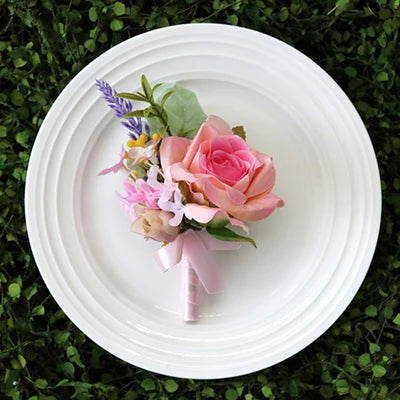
(122,107)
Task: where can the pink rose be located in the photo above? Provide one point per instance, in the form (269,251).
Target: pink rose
(221,171)
(154,224)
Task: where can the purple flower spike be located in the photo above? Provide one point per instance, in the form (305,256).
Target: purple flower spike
(122,107)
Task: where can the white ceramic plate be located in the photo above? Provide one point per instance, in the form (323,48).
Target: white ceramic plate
(312,254)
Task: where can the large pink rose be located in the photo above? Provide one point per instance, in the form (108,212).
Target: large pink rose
(221,171)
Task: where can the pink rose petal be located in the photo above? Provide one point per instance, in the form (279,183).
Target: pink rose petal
(219,125)
(257,208)
(172,150)
(205,214)
(207,131)
(263,178)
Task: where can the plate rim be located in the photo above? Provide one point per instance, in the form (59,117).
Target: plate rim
(38,254)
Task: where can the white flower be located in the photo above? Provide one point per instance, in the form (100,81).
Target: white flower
(170,195)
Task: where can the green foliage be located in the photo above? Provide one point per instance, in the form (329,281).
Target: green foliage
(239,130)
(155,111)
(175,111)
(184,112)
(43,44)
(223,233)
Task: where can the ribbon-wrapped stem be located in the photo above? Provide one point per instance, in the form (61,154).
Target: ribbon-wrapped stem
(190,292)
(192,251)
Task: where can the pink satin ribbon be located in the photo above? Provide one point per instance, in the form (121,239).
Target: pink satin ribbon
(191,250)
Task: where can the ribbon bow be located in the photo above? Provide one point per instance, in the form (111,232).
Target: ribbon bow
(191,250)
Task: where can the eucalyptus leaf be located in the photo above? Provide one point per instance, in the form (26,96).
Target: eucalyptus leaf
(184,112)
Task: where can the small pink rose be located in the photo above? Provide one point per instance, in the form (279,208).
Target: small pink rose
(154,224)
(222,171)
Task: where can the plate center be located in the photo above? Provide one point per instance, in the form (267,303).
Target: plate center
(269,275)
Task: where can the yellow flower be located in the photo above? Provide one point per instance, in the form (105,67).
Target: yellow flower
(155,137)
(140,142)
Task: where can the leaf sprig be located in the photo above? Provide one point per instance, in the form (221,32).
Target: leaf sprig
(154,109)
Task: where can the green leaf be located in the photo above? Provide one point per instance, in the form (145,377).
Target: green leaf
(135,113)
(166,96)
(350,71)
(3,131)
(19,62)
(171,386)
(30,292)
(341,5)
(15,364)
(208,392)
(364,359)
(38,310)
(146,86)
(71,351)
(382,40)
(388,312)
(14,290)
(396,320)
(239,130)
(68,369)
(116,25)
(17,98)
(266,391)
(22,360)
(22,138)
(148,384)
(284,14)
(228,235)
(233,19)
(62,337)
(184,112)
(156,86)
(131,96)
(90,44)
(371,311)
(378,371)
(342,386)
(41,383)
(218,222)
(382,76)
(148,112)
(231,394)
(93,14)
(374,348)
(119,9)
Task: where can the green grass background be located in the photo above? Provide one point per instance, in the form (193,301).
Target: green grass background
(43,44)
